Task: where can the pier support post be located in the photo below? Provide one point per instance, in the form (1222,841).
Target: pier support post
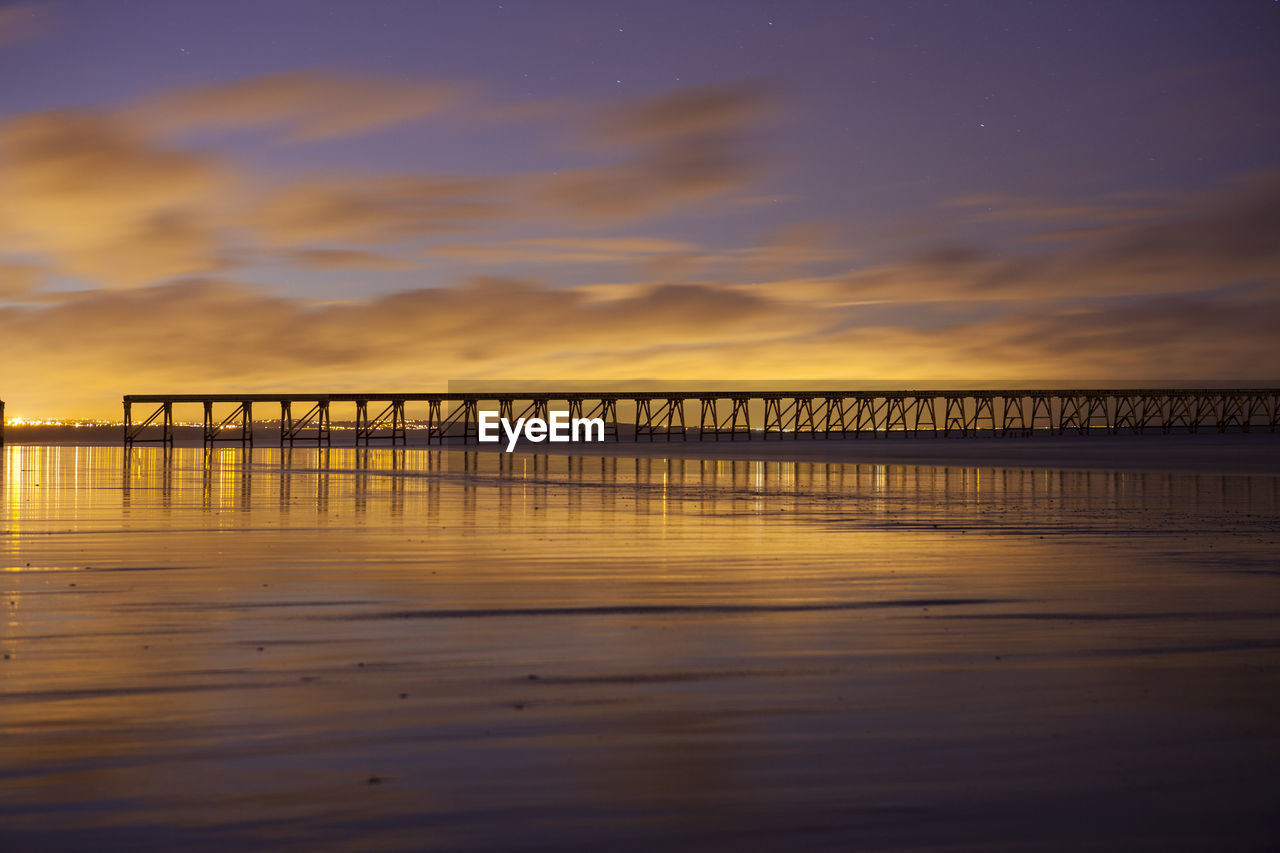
(163,414)
(241,415)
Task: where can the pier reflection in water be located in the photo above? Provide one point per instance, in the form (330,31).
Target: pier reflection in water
(226,477)
(217,647)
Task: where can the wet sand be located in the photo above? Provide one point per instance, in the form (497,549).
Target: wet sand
(402,650)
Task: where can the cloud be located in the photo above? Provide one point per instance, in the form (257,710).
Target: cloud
(1001,207)
(301,105)
(1228,235)
(103,201)
(562,250)
(371,209)
(214,333)
(1199,243)
(686,146)
(784,252)
(1175,336)
(344,259)
(110,198)
(682,114)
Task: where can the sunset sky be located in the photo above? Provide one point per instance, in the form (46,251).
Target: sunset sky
(329,196)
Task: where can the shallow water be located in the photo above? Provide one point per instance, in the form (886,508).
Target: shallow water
(388,649)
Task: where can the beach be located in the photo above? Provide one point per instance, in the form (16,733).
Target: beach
(376,649)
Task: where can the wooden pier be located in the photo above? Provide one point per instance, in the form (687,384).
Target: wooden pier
(716,415)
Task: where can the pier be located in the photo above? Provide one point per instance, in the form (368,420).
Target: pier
(446,418)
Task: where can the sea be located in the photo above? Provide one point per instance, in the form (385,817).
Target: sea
(376,649)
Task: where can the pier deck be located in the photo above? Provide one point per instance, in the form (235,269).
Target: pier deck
(716,415)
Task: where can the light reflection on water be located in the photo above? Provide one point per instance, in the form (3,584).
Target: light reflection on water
(209,648)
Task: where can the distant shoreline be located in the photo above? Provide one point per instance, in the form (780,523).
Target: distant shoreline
(1256,452)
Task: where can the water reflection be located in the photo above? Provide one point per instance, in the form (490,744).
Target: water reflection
(216,649)
(44,487)
(385,479)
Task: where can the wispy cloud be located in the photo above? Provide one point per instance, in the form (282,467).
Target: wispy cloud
(372,209)
(680,148)
(300,106)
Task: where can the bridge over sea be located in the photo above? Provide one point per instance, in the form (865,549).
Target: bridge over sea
(446,418)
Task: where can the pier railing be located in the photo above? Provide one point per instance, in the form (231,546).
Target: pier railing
(715,415)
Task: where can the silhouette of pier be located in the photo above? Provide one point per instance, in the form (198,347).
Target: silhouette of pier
(714,415)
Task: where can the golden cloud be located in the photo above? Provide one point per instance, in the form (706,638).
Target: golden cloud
(343,259)
(103,201)
(90,348)
(223,334)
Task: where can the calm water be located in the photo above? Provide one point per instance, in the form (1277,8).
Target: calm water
(385,650)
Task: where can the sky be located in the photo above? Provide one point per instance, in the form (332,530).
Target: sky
(342,196)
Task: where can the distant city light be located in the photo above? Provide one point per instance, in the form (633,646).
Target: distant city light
(56,422)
